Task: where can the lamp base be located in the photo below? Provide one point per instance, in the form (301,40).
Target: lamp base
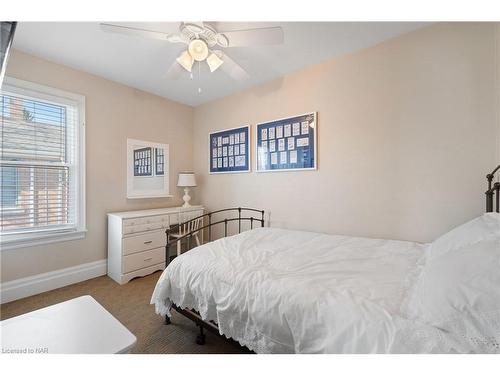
(186,198)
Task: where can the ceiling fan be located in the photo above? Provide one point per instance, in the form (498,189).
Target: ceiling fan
(204,43)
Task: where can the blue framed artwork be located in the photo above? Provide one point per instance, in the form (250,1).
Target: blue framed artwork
(143,162)
(287,144)
(229,150)
(159,161)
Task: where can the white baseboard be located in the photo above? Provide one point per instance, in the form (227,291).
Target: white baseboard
(29,286)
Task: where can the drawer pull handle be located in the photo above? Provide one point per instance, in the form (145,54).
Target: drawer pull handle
(147,259)
(147,242)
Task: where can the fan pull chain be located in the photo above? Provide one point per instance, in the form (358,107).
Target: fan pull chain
(199,76)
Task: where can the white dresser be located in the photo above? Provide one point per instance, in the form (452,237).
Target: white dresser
(136,240)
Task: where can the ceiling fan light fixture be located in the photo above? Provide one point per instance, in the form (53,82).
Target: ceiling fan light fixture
(198,49)
(214,62)
(186,61)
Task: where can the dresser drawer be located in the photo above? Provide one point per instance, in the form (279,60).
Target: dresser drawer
(146,241)
(144,259)
(139,228)
(146,220)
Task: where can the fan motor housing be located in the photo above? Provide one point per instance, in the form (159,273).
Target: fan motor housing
(205,32)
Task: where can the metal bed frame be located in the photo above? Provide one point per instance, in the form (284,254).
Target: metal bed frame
(493,192)
(190,313)
(492,205)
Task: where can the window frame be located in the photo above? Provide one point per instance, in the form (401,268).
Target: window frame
(45,236)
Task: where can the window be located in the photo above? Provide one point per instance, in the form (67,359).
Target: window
(10,187)
(41,164)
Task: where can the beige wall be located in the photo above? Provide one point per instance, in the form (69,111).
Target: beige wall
(408,130)
(497,81)
(114,113)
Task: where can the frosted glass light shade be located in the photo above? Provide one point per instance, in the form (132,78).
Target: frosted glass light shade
(198,49)
(214,62)
(186,180)
(186,61)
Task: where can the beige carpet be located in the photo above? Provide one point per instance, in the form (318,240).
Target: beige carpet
(129,303)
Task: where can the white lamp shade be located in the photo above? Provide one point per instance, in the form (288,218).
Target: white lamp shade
(186,180)
(185,60)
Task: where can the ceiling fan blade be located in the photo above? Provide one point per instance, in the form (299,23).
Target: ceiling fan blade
(126,30)
(231,68)
(252,37)
(175,71)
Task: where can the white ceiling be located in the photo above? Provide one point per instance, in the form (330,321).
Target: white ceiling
(143,63)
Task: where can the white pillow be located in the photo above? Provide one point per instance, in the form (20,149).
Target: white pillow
(478,229)
(459,288)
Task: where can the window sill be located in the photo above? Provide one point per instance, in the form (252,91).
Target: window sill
(11,241)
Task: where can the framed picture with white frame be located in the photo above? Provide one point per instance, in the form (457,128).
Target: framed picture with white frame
(147,169)
(287,144)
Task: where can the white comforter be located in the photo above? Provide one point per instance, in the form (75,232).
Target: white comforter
(282,291)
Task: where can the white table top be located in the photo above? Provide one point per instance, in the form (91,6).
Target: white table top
(80,325)
(154,211)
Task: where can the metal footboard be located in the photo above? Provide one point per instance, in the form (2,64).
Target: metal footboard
(192,314)
(241,218)
(493,192)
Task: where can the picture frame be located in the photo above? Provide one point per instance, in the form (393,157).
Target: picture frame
(147,175)
(159,156)
(143,166)
(287,144)
(229,150)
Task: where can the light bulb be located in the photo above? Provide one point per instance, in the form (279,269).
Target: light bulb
(198,49)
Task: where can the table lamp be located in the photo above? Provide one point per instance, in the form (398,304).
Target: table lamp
(186,180)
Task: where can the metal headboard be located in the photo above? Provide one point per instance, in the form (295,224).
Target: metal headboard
(239,219)
(493,192)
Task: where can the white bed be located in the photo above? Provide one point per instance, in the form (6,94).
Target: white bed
(282,291)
